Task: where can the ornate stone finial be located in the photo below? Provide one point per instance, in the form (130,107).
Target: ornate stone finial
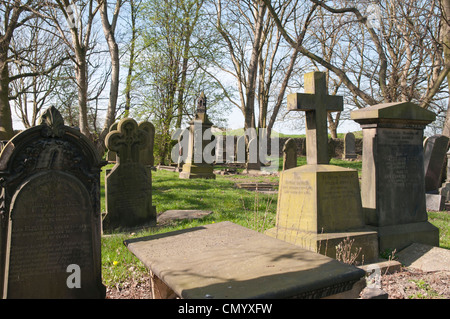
(53,121)
(201,103)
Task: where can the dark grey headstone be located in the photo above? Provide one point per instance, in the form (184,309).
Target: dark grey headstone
(349,146)
(434,149)
(128,187)
(289,154)
(50,235)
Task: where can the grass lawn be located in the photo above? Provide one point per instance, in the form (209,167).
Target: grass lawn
(250,209)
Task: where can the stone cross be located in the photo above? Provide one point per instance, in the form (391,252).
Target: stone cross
(316,103)
(127,141)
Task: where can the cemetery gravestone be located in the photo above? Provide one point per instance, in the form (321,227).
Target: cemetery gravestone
(319,205)
(195,165)
(128,187)
(392,185)
(146,153)
(111,155)
(445,189)
(289,154)
(435,152)
(349,146)
(50,234)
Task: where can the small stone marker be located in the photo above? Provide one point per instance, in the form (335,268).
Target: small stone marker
(392,185)
(289,154)
(319,205)
(50,233)
(128,187)
(195,165)
(349,146)
(226,261)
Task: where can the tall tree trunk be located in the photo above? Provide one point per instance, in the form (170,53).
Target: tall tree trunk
(445,33)
(6,128)
(82,83)
(131,61)
(108,30)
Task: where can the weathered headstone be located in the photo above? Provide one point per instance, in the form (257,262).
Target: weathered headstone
(319,205)
(111,155)
(392,185)
(434,154)
(349,146)
(146,153)
(128,187)
(196,165)
(50,230)
(289,154)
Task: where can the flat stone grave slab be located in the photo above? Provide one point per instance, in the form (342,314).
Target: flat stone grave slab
(179,214)
(225,260)
(261,187)
(425,257)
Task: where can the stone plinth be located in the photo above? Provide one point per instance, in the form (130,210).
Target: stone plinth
(318,207)
(392,186)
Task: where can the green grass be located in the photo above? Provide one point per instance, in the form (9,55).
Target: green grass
(250,209)
(442,221)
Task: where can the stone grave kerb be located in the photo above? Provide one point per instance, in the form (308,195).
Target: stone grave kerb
(316,103)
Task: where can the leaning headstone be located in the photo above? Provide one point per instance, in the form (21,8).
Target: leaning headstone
(50,231)
(319,205)
(289,154)
(349,146)
(128,187)
(196,165)
(111,155)
(146,153)
(434,155)
(392,185)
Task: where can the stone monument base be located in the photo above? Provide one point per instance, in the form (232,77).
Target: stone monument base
(319,206)
(400,236)
(326,243)
(197,171)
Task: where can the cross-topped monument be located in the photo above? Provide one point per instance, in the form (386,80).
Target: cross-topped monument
(319,205)
(316,103)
